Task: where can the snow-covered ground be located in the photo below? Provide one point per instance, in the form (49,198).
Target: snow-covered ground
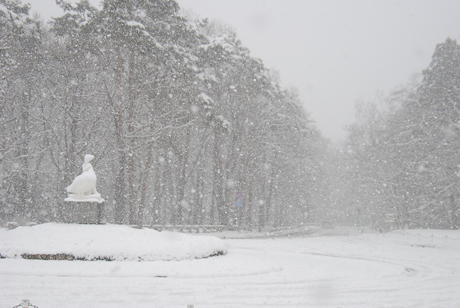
(113,242)
(410,269)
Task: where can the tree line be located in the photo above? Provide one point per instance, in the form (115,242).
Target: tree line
(177,113)
(180,117)
(401,158)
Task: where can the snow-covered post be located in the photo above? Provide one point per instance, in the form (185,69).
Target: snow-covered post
(84,203)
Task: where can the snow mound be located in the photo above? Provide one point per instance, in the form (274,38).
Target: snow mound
(105,242)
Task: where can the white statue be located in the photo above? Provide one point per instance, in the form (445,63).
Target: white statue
(83,187)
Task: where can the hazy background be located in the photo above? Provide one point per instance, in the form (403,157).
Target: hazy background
(334,52)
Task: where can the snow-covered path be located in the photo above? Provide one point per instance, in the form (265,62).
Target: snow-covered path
(340,271)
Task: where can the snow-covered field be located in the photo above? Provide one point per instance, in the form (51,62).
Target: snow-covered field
(410,269)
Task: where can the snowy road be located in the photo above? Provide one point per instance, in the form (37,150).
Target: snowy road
(341,271)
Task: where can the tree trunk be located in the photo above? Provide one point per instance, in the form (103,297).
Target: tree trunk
(250,204)
(217,190)
(120,174)
(132,142)
(144,182)
(183,178)
(454,213)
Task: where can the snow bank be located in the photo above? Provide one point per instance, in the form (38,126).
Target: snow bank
(106,242)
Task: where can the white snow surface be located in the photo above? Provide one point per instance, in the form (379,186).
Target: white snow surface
(412,268)
(116,242)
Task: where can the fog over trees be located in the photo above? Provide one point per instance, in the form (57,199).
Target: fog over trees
(180,117)
(403,152)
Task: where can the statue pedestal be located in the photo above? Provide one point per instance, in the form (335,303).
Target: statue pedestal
(82,212)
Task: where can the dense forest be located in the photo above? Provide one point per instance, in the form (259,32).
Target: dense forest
(402,156)
(180,117)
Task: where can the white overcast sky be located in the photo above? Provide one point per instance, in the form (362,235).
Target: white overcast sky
(335,52)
